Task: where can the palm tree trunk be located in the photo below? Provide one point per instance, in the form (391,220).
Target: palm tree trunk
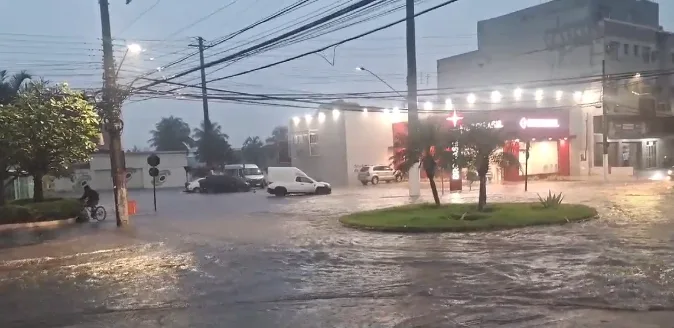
(434,189)
(38,190)
(482,199)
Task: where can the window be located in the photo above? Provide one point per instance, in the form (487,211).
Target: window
(654,56)
(672,57)
(313,144)
(303,180)
(364,168)
(636,50)
(646,54)
(626,48)
(612,49)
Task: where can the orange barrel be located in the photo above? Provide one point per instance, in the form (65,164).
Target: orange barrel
(132,207)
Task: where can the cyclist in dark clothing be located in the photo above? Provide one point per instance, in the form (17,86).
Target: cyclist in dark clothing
(90,197)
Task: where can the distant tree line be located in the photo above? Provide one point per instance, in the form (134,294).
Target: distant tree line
(174,134)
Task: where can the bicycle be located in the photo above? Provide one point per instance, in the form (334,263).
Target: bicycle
(97,212)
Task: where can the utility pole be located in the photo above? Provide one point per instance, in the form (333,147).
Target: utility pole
(414,182)
(208,128)
(604,120)
(112,122)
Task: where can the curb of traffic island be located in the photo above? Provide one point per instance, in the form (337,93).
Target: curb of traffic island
(344,220)
(41,224)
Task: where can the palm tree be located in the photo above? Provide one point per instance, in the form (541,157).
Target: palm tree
(253,152)
(280,133)
(435,151)
(216,129)
(484,146)
(171,134)
(11,85)
(213,149)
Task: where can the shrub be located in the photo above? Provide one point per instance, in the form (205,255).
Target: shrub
(551,200)
(29,201)
(25,211)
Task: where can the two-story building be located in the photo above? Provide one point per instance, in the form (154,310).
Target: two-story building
(614,48)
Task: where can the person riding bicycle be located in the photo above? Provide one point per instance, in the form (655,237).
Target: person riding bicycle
(90,198)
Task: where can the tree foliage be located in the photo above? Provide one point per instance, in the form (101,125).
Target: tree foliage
(435,143)
(10,85)
(483,147)
(253,151)
(57,127)
(213,149)
(9,147)
(171,134)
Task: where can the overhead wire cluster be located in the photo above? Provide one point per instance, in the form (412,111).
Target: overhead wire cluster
(571,85)
(328,19)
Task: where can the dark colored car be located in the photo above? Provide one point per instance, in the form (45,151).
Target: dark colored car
(223,183)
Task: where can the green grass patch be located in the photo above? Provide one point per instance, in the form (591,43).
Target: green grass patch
(27,211)
(465,217)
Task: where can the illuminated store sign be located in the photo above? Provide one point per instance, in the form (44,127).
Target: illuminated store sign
(539,123)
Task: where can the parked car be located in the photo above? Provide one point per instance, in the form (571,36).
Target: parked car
(375,173)
(223,183)
(193,186)
(291,180)
(251,173)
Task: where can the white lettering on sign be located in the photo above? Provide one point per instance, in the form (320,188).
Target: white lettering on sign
(539,123)
(491,125)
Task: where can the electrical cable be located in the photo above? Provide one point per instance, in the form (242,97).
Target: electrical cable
(139,17)
(317,22)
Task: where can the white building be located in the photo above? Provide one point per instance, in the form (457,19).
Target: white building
(562,45)
(331,145)
(98,175)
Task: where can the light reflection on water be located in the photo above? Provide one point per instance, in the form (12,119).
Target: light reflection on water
(294,265)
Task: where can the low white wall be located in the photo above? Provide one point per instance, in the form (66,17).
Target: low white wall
(615,171)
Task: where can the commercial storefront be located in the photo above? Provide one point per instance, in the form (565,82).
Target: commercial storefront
(333,145)
(546,131)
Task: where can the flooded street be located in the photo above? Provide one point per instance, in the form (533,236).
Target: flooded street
(249,260)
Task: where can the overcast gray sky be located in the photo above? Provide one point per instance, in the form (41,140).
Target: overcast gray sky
(60,40)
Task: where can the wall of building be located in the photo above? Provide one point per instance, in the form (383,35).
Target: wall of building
(98,176)
(324,156)
(567,39)
(369,141)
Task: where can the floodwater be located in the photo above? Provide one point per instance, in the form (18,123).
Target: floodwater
(249,260)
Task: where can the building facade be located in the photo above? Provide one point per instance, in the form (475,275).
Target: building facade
(565,47)
(546,131)
(332,145)
(172,173)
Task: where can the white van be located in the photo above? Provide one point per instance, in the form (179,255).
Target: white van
(291,180)
(249,172)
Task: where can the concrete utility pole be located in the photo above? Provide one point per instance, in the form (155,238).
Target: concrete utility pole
(208,128)
(414,182)
(112,122)
(604,120)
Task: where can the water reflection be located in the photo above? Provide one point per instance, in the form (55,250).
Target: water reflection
(290,264)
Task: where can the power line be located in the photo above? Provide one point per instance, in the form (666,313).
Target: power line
(139,16)
(202,19)
(317,22)
(335,44)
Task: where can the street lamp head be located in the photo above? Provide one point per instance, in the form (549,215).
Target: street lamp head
(134,48)
(360,68)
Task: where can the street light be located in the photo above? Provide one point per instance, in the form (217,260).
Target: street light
(134,49)
(361,68)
